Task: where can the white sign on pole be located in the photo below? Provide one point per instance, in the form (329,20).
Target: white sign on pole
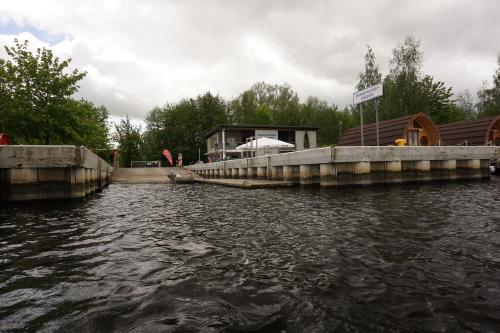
(368,93)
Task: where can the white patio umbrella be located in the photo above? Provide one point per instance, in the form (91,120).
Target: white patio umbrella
(265,143)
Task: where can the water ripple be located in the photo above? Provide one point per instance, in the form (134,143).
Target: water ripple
(191,258)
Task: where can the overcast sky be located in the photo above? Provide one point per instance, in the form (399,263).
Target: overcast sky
(139,54)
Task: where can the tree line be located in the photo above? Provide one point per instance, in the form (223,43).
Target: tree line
(407,90)
(37,107)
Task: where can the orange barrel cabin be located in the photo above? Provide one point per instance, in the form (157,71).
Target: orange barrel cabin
(417,130)
(485,131)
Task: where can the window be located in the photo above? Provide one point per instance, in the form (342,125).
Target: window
(412,137)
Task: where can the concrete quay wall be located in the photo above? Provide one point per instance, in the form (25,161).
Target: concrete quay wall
(50,172)
(334,166)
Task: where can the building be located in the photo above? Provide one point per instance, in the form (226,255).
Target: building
(417,130)
(303,137)
(485,131)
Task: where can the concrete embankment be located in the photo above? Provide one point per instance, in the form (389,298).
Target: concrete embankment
(50,172)
(336,166)
(145,175)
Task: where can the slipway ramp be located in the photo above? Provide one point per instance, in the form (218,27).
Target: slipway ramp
(146,175)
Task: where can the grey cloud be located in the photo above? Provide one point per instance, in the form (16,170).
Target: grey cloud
(148,53)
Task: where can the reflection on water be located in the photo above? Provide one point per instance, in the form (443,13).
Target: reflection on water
(187,258)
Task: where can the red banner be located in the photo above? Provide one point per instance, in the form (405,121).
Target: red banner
(168,156)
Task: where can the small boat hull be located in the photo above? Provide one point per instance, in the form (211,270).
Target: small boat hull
(185,179)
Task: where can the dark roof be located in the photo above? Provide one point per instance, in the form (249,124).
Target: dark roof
(253,127)
(474,131)
(389,130)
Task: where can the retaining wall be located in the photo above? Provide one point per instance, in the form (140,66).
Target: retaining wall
(333,166)
(50,172)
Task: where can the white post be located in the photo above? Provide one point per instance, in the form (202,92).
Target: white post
(251,146)
(247,140)
(256,152)
(223,144)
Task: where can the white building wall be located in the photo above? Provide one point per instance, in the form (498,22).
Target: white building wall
(299,139)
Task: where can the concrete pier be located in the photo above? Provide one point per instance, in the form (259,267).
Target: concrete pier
(337,166)
(50,172)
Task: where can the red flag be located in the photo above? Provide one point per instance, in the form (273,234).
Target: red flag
(168,156)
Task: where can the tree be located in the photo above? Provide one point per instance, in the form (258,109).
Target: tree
(242,110)
(489,98)
(35,91)
(408,91)
(128,137)
(371,76)
(466,104)
(327,118)
(436,100)
(181,127)
(266,104)
(402,82)
(281,100)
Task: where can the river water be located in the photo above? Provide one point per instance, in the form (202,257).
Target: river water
(202,258)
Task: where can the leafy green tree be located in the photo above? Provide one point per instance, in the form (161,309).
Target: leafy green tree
(436,100)
(371,76)
(401,85)
(266,104)
(327,118)
(489,98)
(153,140)
(243,109)
(181,127)
(35,94)
(92,127)
(281,100)
(408,91)
(466,104)
(129,139)
(263,115)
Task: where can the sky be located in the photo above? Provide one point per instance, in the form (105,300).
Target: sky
(142,54)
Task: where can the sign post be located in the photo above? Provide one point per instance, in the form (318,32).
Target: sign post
(362,125)
(376,123)
(366,95)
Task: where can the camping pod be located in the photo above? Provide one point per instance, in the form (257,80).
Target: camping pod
(416,130)
(485,131)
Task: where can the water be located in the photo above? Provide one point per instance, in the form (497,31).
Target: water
(200,258)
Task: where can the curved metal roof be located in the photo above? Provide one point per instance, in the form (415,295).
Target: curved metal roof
(389,130)
(475,132)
